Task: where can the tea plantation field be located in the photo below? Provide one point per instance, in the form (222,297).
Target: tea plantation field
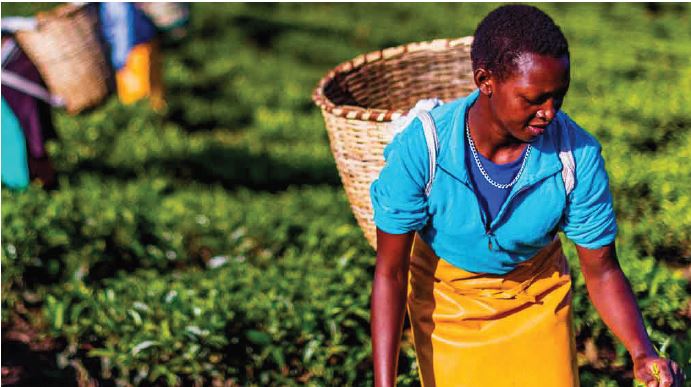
(213,241)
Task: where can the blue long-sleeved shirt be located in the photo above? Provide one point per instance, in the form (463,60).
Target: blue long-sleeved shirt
(450,219)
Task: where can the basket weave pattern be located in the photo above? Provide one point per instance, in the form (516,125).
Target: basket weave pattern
(67,52)
(361,97)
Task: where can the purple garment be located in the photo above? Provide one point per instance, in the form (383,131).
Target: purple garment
(33,114)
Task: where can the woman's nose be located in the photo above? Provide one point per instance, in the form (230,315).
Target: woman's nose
(548,110)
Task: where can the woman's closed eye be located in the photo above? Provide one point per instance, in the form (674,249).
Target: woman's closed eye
(535,100)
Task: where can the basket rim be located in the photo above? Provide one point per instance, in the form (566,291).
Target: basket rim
(61,11)
(374,114)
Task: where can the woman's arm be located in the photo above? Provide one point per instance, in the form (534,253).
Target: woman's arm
(388,303)
(614,300)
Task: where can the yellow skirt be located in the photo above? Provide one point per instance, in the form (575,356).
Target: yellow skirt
(141,76)
(473,329)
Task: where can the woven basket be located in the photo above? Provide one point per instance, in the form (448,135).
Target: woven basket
(66,49)
(361,97)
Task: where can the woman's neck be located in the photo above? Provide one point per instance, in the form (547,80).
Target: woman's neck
(491,140)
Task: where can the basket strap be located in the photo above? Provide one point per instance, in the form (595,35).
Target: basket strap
(430,130)
(33,89)
(13,24)
(17,82)
(7,50)
(568,170)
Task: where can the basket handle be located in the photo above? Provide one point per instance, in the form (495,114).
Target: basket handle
(63,11)
(12,24)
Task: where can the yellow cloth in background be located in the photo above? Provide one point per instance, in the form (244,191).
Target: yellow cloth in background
(488,330)
(141,76)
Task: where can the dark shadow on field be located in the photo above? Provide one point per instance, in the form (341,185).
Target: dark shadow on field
(664,134)
(25,367)
(29,361)
(255,29)
(590,375)
(231,166)
(178,113)
(676,257)
(261,27)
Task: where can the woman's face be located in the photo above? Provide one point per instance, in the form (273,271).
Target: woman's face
(528,99)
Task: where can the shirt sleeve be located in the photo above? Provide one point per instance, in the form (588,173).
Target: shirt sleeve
(398,195)
(589,219)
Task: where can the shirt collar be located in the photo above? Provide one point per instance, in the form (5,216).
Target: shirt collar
(542,162)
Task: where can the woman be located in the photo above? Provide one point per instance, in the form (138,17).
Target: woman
(489,297)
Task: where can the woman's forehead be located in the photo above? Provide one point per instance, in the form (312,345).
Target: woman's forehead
(541,70)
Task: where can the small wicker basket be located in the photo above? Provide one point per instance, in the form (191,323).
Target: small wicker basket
(66,49)
(359,99)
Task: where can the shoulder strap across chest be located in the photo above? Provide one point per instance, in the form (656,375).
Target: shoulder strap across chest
(568,171)
(432,141)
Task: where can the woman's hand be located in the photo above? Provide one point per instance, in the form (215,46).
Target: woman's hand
(655,371)
(613,298)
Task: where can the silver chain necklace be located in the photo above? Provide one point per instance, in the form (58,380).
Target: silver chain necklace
(482,169)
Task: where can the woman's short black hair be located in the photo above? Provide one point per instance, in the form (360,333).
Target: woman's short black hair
(511,30)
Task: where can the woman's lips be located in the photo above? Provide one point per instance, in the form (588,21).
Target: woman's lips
(536,130)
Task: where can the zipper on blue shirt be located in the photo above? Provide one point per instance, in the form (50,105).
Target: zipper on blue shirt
(483,216)
(508,200)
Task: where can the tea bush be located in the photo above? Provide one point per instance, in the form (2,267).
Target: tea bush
(301,318)
(214,242)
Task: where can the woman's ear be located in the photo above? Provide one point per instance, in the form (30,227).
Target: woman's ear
(484,81)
